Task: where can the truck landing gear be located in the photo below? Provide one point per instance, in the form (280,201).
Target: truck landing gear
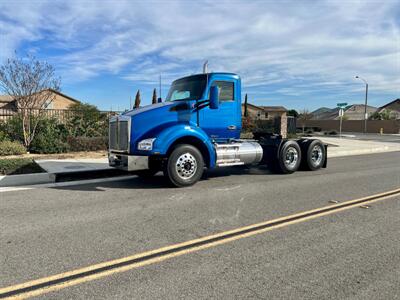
(185,166)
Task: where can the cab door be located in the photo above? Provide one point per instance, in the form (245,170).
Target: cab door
(225,122)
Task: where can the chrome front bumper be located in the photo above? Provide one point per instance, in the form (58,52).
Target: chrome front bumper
(128,162)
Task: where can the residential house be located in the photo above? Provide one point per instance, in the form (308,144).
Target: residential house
(351,112)
(393,108)
(61,101)
(357,111)
(255,112)
(264,112)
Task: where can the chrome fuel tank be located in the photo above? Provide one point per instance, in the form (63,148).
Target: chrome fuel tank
(239,152)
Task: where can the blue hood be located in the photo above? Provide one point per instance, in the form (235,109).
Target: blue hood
(151,120)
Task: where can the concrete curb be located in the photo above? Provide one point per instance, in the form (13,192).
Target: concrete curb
(26,179)
(342,153)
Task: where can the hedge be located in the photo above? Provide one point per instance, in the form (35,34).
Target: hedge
(11,148)
(82,143)
(12,166)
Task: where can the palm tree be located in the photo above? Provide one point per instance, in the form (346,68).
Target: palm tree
(245,105)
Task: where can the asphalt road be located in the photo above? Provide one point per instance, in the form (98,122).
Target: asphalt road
(350,254)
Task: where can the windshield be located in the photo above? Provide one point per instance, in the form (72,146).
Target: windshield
(188,88)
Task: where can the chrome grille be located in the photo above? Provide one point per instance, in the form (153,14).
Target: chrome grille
(119,134)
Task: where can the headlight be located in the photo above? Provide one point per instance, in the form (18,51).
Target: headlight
(146,144)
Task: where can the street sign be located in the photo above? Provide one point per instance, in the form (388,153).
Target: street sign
(343,104)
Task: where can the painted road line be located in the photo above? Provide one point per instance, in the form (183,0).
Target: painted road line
(78,276)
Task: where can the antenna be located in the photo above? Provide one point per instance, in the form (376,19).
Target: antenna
(130,102)
(160,87)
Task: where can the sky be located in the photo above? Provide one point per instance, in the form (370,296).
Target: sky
(299,54)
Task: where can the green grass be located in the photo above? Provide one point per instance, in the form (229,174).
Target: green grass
(13,166)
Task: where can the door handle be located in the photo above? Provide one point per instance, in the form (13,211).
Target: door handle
(231,127)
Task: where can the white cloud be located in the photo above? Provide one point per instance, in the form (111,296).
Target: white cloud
(301,46)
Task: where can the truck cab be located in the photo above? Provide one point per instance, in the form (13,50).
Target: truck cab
(197,126)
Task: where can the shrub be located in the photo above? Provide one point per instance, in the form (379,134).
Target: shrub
(87,120)
(12,129)
(265,126)
(3,136)
(82,143)
(333,132)
(50,138)
(18,166)
(11,148)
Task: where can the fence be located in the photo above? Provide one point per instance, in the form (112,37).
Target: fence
(373,126)
(62,115)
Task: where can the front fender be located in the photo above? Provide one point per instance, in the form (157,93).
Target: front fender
(169,135)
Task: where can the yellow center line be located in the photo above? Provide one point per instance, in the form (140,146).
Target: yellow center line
(174,250)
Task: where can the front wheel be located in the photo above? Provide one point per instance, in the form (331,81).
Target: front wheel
(185,165)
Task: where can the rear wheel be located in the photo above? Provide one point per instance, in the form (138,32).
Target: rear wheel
(185,165)
(289,158)
(315,155)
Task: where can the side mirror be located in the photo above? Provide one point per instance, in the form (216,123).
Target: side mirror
(214,97)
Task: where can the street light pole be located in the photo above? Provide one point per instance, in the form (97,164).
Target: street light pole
(366,101)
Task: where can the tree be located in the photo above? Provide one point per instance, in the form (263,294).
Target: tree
(303,117)
(245,106)
(137,99)
(293,113)
(154,99)
(31,84)
(383,115)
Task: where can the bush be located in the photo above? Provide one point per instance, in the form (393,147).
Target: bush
(87,143)
(265,126)
(12,129)
(332,132)
(50,138)
(18,166)
(87,120)
(11,148)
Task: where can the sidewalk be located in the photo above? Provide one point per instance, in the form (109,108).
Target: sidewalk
(62,166)
(348,147)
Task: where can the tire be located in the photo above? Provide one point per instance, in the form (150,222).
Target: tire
(185,166)
(315,153)
(289,158)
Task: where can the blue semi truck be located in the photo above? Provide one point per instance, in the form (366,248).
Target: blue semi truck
(197,127)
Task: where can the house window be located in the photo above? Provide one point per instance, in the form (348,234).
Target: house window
(266,115)
(259,114)
(225,90)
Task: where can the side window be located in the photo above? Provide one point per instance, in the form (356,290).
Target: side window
(225,90)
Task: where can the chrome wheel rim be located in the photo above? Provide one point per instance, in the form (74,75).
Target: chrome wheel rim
(186,166)
(291,157)
(316,155)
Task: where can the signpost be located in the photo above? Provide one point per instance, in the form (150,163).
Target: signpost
(341,114)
